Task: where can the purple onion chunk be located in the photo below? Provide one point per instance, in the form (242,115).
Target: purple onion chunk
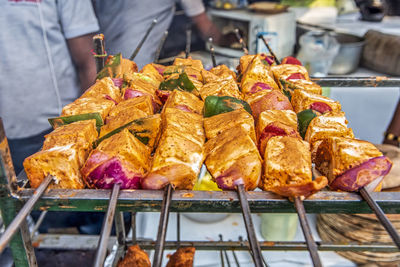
(362,175)
(111,172)
(118,82)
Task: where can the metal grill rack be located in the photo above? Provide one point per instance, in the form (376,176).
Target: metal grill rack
(13,196)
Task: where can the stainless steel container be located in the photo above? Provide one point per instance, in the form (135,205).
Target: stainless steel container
(348,57)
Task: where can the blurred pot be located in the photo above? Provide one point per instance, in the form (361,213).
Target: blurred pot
(348,57)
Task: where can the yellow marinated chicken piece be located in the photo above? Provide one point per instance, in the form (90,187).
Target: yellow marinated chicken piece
(302,100)
(185,101)
(81,134)
(102,88)
(336,155)
(88,105)
(287,117)
(233,158)
(62,162)
(238,118)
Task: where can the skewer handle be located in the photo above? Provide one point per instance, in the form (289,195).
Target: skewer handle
(134,54)
(162,227)
(241,41)
(212,52)
(269,49)
(188,40)
(99,51)
(312,246)
(381,216)
(160,46)
(23,213)
(106,228)
(254,245)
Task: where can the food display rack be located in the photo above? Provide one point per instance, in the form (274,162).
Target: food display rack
(14,194)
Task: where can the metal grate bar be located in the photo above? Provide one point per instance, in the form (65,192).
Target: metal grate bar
(106,228)
(305,227)
(251,234)
(23,213)
(162,227)
(381,216)
(357,81)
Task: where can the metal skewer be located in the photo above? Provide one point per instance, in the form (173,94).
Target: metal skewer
(24,212)
(269,49)
(312,246)
(381,216)
(254,245)
(221,254)
(240,39)
(99,51)
(188,40)
(235,256)
(106,228)
(212,52)
(143,40)
(178,229)
(162,227)
(160,46)
(224,251)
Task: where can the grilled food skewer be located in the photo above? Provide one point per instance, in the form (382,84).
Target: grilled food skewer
(134,54)
(160,46)
(212,52)
(241,41)
(269,49)
(305,227)
(99,51)
(162,226)
(381,216)
(106,228)
(254,245)
(23,213)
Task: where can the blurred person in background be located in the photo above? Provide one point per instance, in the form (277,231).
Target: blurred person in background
(125,22)
(45,64)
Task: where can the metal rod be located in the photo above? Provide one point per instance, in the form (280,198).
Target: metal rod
(39,222)
(188,40)
(255,247)
(120,228)
(162,227)
(21,216)
(269,49)
(133,227)
(242,43)
(99,51)
(312,246)
(224,251)
(235,256)
(143,40)
(212,52)
(178,229)
(160,46)
(357,81)
(381,216)
(106,228)
(221,255)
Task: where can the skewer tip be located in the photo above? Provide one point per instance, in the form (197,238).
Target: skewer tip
(210,39)
(155,21)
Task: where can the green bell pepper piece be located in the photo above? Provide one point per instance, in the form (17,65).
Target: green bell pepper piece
(59,121)
(215,105)
(303,119)
(182,82)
